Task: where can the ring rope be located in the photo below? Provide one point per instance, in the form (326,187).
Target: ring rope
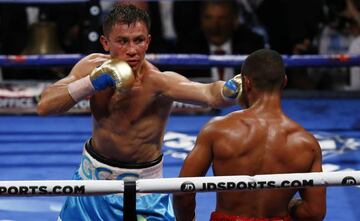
(199,60)
(183,184)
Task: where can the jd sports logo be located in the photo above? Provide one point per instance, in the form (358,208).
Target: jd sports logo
(187,187)
(349,180)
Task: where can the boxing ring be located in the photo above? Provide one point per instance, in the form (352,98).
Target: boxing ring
(37,152)
(46,150)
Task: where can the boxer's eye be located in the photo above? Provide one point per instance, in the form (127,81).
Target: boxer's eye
(122,41)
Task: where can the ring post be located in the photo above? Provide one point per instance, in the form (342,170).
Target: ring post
(130,201)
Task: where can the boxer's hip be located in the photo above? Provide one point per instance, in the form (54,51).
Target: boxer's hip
(97,167)
(149,206)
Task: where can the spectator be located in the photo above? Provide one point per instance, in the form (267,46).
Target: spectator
(353,11)
(220,34)
(336,37)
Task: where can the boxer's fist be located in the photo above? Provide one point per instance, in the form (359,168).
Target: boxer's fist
(232,88)
(112,73)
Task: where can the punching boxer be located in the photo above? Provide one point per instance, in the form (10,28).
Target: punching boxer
(130,101)
(261,139)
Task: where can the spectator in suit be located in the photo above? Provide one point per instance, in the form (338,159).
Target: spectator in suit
(219,33)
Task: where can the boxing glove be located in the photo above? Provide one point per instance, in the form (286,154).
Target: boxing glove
(112,73)
(232,88)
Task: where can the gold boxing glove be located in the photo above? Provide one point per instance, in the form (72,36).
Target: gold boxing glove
(232,88)
(112,73)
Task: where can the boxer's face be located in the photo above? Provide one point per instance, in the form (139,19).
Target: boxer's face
(128,43)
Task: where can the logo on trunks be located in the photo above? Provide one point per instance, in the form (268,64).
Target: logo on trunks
(348,180)
(187,187)
(256,185)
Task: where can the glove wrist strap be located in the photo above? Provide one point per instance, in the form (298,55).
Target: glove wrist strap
(81,88)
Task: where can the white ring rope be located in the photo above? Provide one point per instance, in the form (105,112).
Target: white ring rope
(184,184)
(60,187)
(243,183)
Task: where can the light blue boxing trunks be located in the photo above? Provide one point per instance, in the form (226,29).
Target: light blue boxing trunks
(149,207)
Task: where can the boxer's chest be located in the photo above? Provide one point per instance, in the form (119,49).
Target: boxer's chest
(139,102)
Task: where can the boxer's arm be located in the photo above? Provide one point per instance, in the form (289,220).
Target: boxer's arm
(196,164)
(312,205)
(179,88)
(104,73)
(56,99)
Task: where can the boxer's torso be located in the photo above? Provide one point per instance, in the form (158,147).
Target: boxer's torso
(129,127)
(266,143)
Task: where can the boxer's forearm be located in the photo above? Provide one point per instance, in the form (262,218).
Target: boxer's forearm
(217,100)
(55,100)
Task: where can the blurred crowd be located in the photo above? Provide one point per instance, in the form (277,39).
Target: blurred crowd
(204,27)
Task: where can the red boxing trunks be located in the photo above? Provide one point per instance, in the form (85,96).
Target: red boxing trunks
(216,216)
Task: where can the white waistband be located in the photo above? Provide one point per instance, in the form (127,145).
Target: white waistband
(92,169)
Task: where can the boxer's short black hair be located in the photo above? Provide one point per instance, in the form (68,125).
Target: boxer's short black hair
(125,14)
(266,68)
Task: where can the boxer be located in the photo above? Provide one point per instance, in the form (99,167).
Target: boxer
(260,139)
(130,102)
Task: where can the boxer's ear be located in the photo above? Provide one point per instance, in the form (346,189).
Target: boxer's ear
(147,41)
(247,83)
(104,42)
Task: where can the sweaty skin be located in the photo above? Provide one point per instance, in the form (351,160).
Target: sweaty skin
(130,126)
(258,140)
